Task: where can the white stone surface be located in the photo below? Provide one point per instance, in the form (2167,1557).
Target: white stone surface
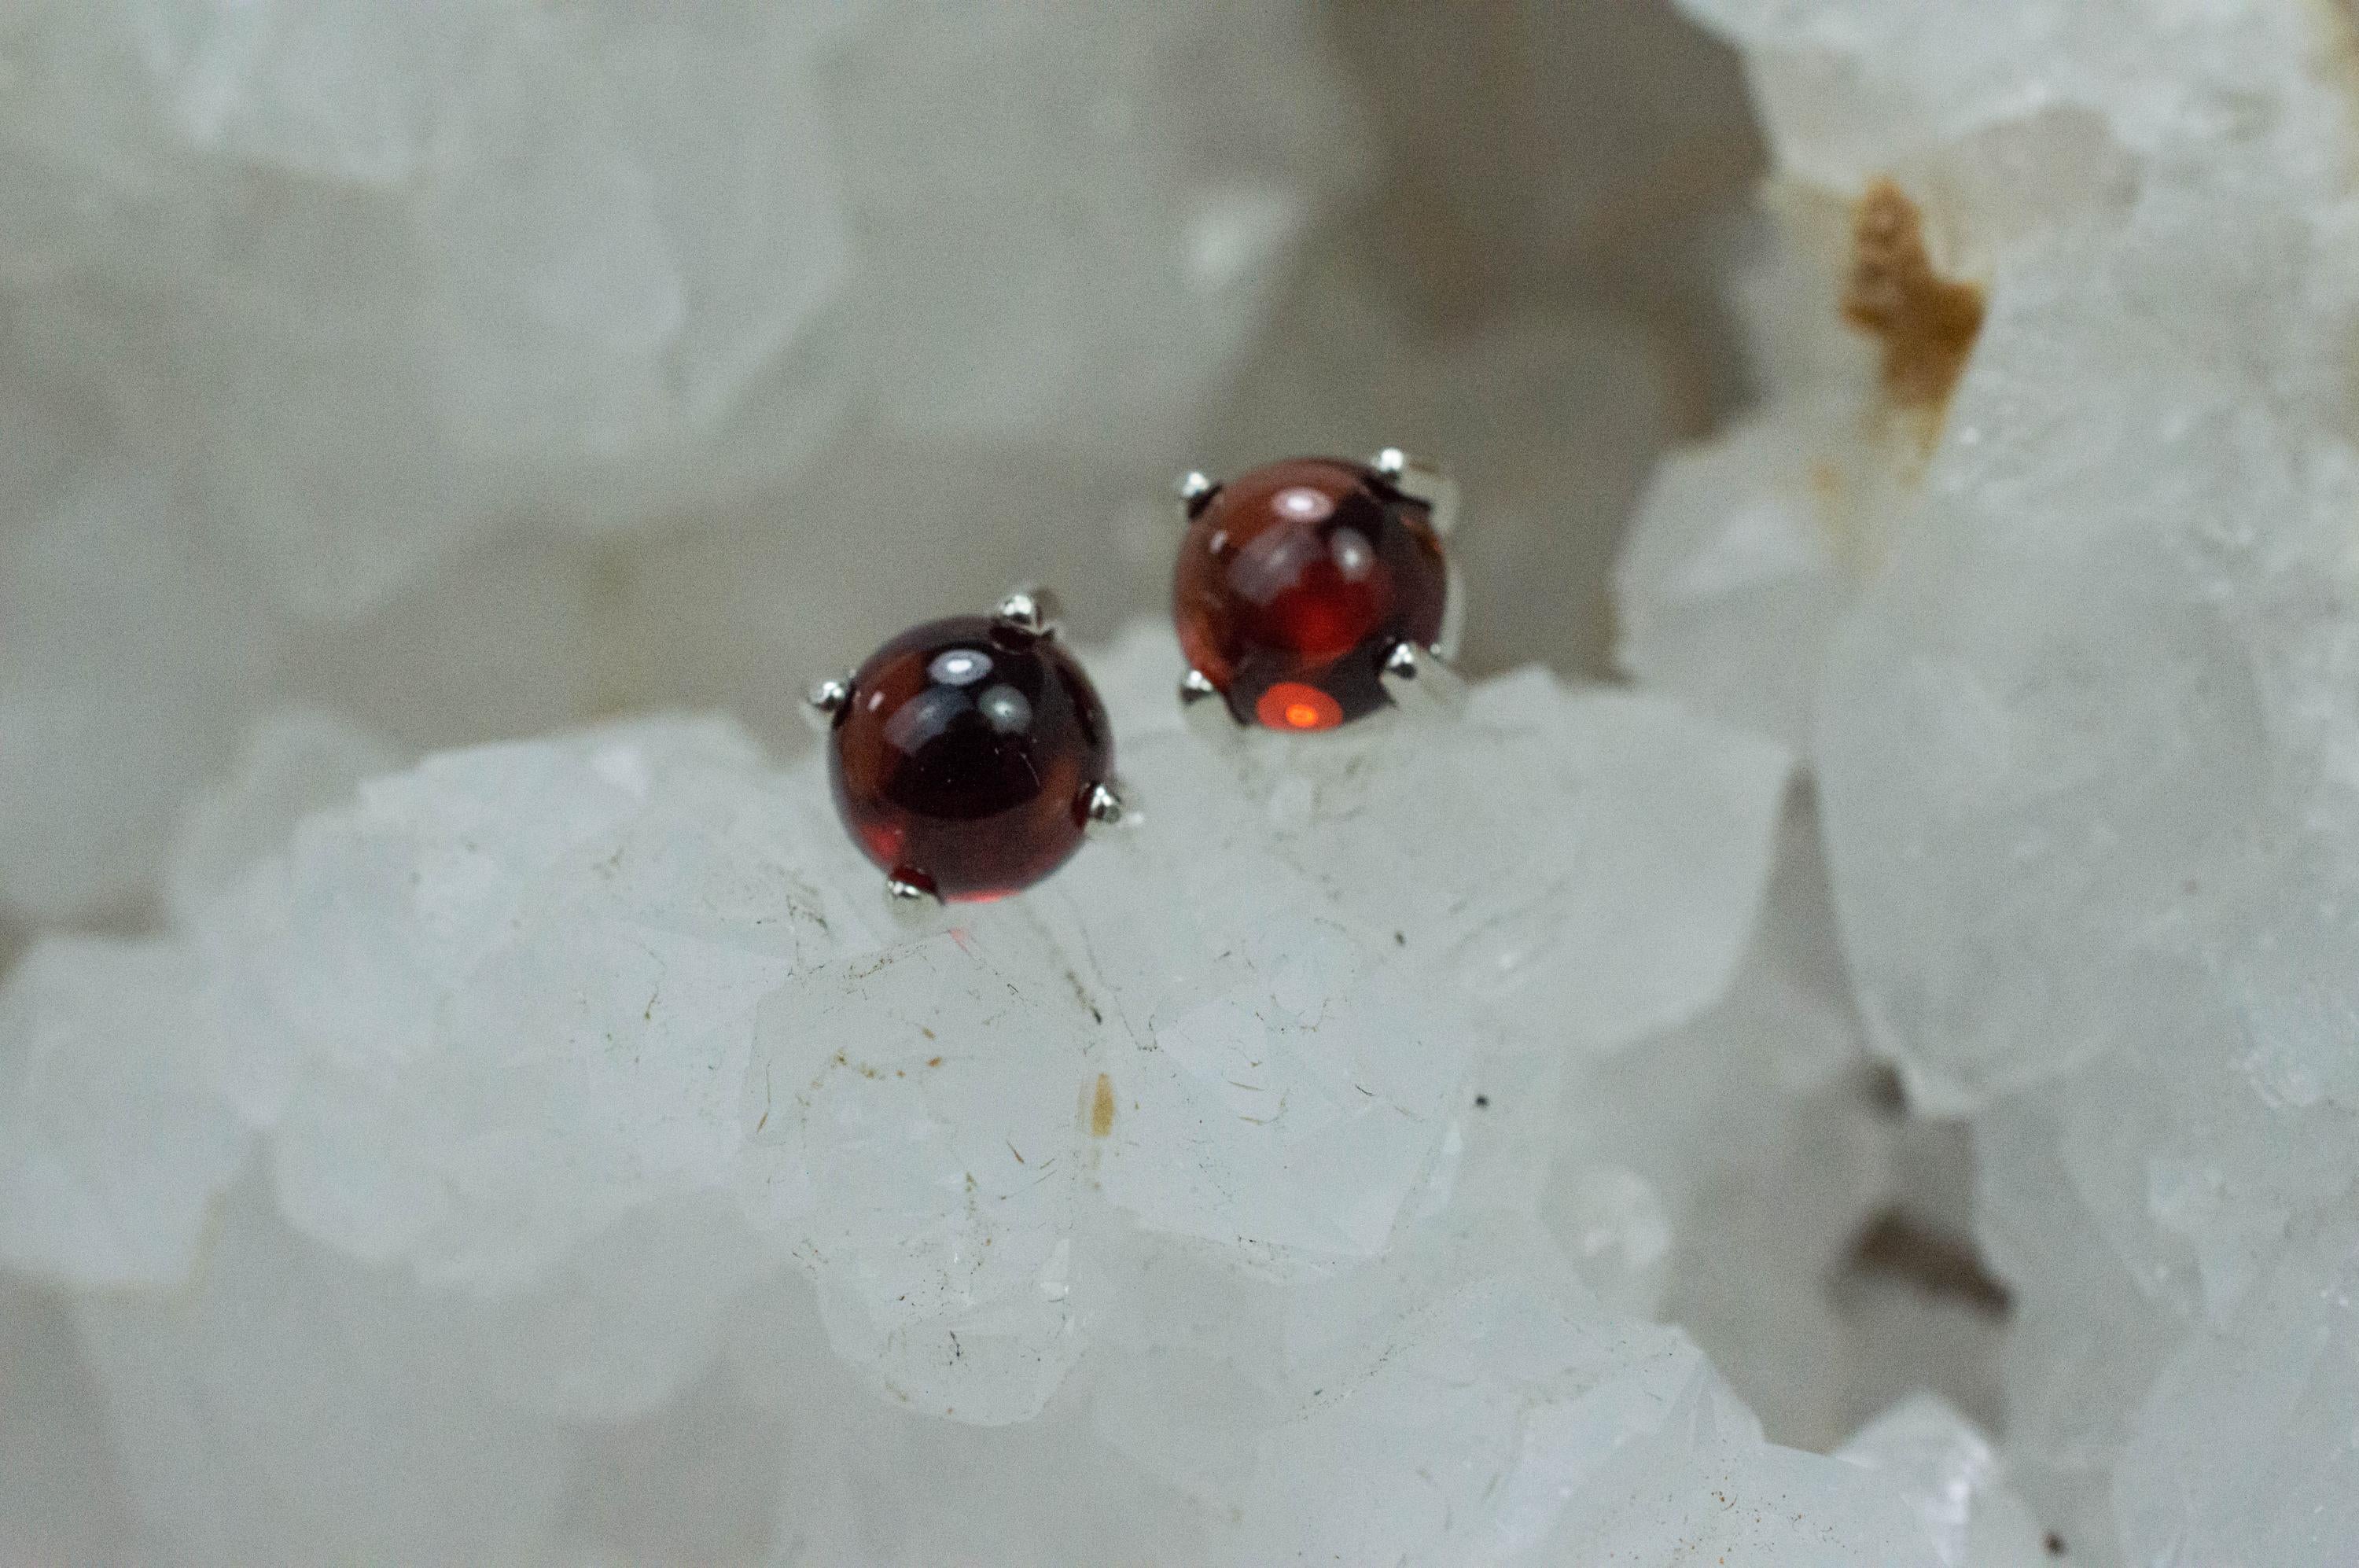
(561,1050)
(1495,1428)
(968,135)
(133,653)
(506,998)
(1590,869)
(113,1139)
(297,1404)
(918,1121)
(1734,577)
(124,663)
(2244,1447)
(1957,1486)
(1465,1399)
(2081,715)
(294,761)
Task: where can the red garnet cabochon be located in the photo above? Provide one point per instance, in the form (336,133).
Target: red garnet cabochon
(964,761)
(1295,581)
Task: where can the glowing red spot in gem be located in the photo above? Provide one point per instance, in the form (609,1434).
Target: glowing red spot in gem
(1291,705)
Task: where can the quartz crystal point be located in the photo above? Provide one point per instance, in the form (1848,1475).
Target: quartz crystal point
(1949,1475)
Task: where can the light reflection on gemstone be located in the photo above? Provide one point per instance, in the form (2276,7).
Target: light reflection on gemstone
(1004,709)
(1302,504)
(960,667)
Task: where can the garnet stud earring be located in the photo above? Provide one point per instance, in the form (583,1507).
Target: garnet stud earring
(1314,592)
(971,755)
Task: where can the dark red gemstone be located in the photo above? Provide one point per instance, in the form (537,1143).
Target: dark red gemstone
(964,758)
(1293,583)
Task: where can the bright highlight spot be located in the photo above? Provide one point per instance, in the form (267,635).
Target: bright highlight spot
(1302,504)
(1291,705)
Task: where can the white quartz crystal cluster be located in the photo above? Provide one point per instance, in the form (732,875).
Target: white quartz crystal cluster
(560,1148)
(2068,628)
(443,1120)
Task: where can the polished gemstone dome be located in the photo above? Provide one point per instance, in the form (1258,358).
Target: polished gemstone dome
(964,756)
(1293,583)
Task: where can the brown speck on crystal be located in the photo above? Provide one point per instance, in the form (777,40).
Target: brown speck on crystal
(1101,1107)
(1927,323)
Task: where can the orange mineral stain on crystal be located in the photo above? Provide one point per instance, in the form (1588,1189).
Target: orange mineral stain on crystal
(1101,1107)
(1927,323)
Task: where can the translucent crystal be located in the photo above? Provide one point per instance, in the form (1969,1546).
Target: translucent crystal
(503,999)
(113,1141)
(1953,1481)
(1733,581)
(295,1402)
(2081,712)
(1572,918)
(1860,300)
(293,762)
(918,1126)
(1758,1157)
(560,1049)
(1560,1434)
(133,653)
(2244,1445)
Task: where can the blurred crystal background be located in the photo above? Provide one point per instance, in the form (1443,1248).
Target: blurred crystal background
(466,369)
(1939,417)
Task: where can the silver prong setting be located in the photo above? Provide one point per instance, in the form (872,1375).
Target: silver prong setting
(1453,611)
(1419,681)
(1204,709)
(1107,807)
(911,902)
(1421,480)
(1030,610)
(825,699)
(1196,489)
